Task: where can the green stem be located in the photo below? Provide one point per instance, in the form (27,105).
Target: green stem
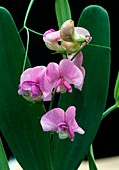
(110,109)
(100,46)
(24,26)
(26,49)
(94,45)
(91,151)
(21,30)
(51,151)
(43,106)
(35,32)
(27,12)
(50,134)
(51,103)
(91,159)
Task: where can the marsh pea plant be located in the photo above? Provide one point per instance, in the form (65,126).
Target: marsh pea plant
(55,138)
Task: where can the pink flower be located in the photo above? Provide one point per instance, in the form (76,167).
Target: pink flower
(63,75)
(31,85)
(64,123)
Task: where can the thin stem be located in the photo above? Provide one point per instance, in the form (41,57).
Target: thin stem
(51,103)
(26,49)
(94,45)
(109,110)
(50,134)
(91,159)
(75,55)
(35,32)
(21,30)
(100,46)
(27,12)
(43,106)
(91,151)
(51,151)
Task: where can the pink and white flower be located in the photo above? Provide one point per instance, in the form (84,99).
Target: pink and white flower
(64,123)
(31,85)
(64,75)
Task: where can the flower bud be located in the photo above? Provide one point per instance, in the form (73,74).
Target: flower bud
(67,30)
(71,47)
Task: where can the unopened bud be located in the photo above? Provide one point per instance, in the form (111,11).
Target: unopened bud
(67,30)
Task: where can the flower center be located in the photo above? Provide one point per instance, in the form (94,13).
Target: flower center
(30,90)
(63,86)
(65,131)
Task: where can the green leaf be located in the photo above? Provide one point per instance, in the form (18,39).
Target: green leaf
(3,158)
(62,10)
(19,119)
(91,101)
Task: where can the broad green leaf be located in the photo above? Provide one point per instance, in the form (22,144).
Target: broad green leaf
(91,101)
(3,158)
(62,10)
(19,119)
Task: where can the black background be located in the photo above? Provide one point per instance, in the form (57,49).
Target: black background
(42,17)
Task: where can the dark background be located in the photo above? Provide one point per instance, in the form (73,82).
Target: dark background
(42,17)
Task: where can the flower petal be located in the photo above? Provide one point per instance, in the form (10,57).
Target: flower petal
(32,74)
(51,119)
(81,31)
(78,62)
(70,119)
(46,88)
(70,115)
(52,73)
(46,33)
(51,35)
(71,73)
(78,129)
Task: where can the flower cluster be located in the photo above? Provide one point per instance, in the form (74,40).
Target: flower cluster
(38,83)
(67,40)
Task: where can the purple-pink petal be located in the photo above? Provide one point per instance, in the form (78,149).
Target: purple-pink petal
(81,31)
(53,73)
(71,133)
(46,88)
(78,60)
(70,119)
(70,115)
(32,74)
(46,33)
(70,72)
(52,119)
(51,36)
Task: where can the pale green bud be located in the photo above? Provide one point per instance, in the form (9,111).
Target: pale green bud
(67,30)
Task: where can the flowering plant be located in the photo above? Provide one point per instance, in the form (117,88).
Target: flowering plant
(41,134)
